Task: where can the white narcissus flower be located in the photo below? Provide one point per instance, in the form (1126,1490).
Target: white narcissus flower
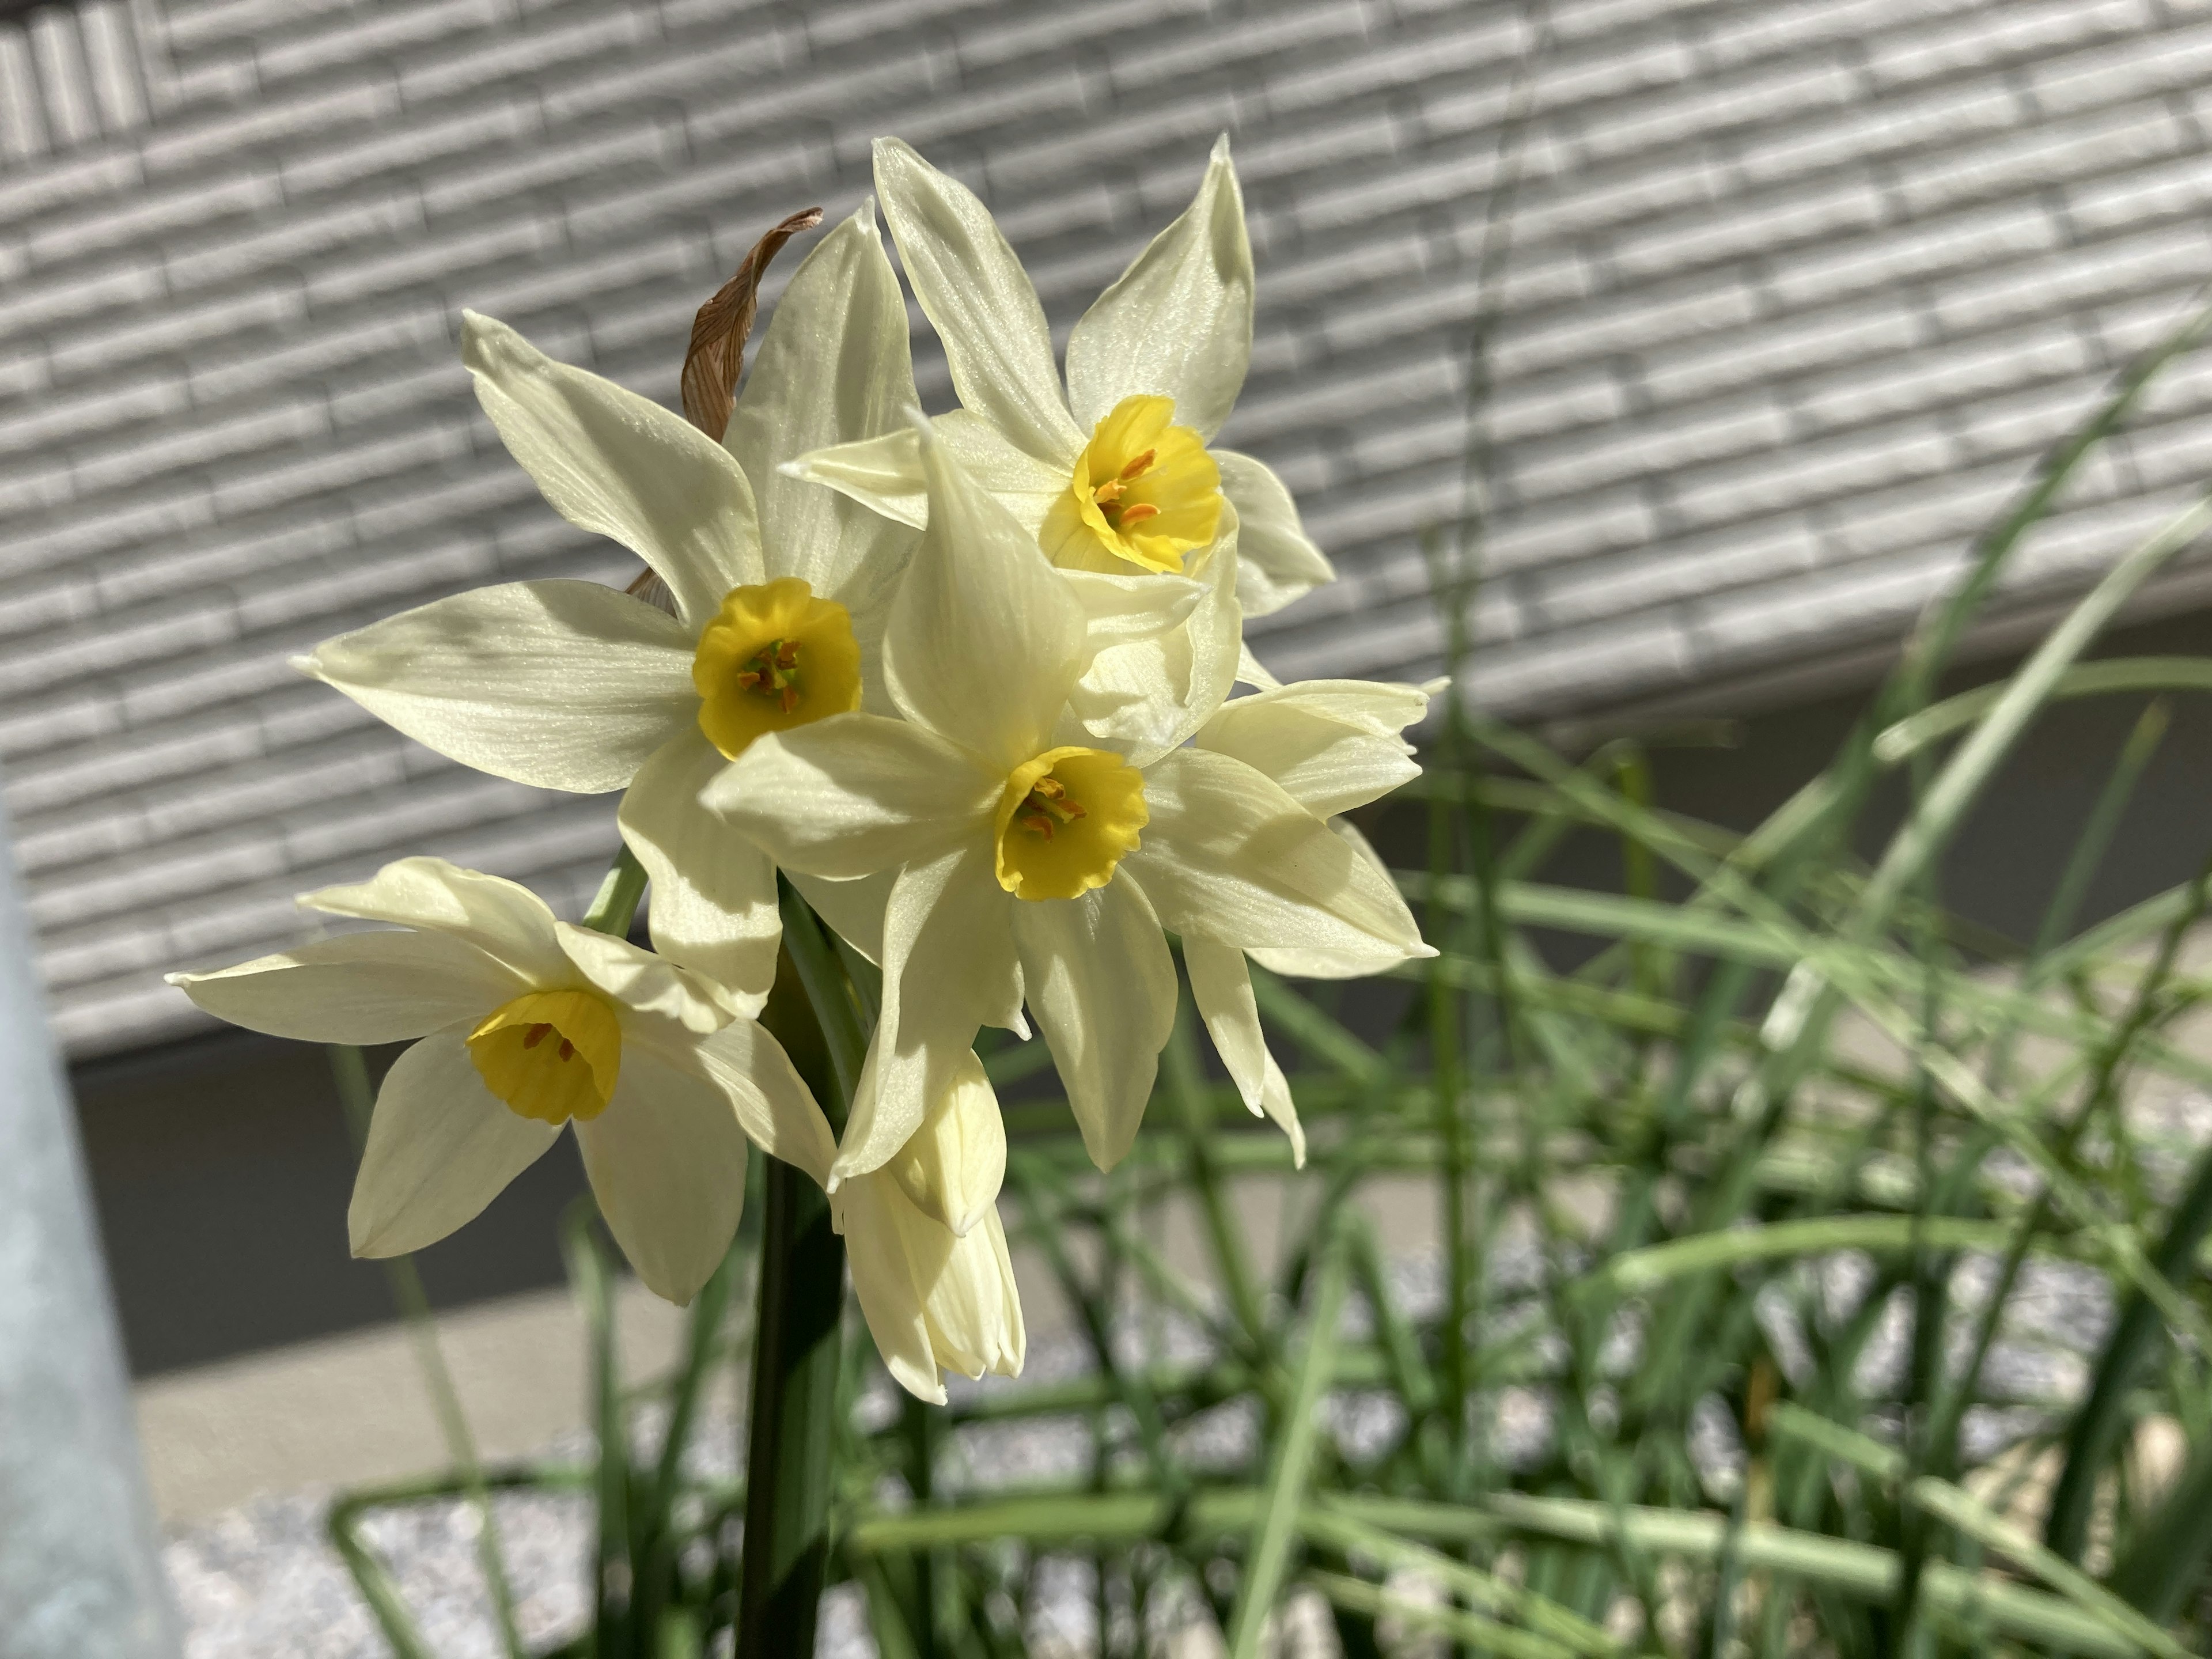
(779,590)
(923,1240)
(1118,473)
(1032,863)
(522,1023)
(1331,745)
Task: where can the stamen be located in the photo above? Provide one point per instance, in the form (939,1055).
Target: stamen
(772,671)
(535,1035)
(568,1050)
(1137,513)
(1137,468)
(1047,805)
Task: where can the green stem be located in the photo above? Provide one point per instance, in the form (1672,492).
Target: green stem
(791,1457)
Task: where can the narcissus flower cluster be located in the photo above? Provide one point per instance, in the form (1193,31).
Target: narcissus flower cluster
(967,682)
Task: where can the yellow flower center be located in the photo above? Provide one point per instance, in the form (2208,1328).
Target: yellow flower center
(551,1055)
(774,657)
(1064,820)
(1144,492)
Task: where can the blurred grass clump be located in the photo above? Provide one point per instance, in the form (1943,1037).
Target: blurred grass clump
(1738,1336)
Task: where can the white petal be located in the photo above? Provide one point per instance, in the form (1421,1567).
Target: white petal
(1229,853)
(834,366)
(1221,988)
(1276,561)
(357,987)
(501,918)
(949,966)
(882,474)
(1374,957)
(654,998)
(980,301)
(1250,671)
(885,1281)
(973,1310)
(771,1100)
(1127,609)
(1102,987)
(558,684)
(853,795)
(621,465)
(853,910)
(985,638)
(885,474)
(1332,744)
(953,1166)
(440,1148)
(713,892)
(1178,322)
(1145,697)
(667,1164)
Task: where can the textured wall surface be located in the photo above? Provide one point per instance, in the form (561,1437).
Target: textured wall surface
(1797,291)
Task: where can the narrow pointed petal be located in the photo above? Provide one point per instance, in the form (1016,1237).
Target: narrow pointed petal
(1144,697)
(1229,853)
(953,1166)
(1277,561)
(1332,744)
(656,998)
(1178,322)
(1375,957)
(853,795)
(620,467)
(833,367)
(853,910)
(949,967)
(882,474)
(503,919)
(1221,985)
(1129,610)
(440,1148)
(980,301)
(357,987)
(558,684)
(1250,671)
(974,1310)
(713,894)
(885,1282)
(985,638)
(1102,984)
(771,1100)
(666,1160)
(885,474)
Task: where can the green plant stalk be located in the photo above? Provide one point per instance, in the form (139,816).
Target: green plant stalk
(791,1456)
(1266,1556)
(615,1631)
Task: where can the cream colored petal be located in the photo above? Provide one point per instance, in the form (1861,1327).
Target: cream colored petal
(882,474)
(949,967)
(503,919)
(1229,853)
(440,1148)
(1130,609)
(1102,984)
(1332,744)
(1277,561)
(558,684)
(953,1166)
(666,1160)
(1222,986)
(1025,486)
(855,795)
(771,1100)
(669,1003)
(985,638)
(980,301)
(620,467)
(1178,322)
(885,1281)
(885,474)
(833,366)
(713,902)
(853,910)
(357,987)
(1147,697)
(1374,957)
(973,1310)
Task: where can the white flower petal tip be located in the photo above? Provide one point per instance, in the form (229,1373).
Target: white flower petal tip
(1220,148)
(304,664)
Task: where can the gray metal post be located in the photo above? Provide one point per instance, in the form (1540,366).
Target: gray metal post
(80,1571)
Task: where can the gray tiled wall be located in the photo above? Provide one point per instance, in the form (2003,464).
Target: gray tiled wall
(1796,292)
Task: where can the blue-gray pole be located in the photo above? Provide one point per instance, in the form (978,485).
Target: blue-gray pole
(80,1570)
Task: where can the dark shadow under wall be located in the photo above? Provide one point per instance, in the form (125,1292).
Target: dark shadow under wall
(221,1165)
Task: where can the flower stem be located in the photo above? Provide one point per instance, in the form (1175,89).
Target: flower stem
(615,906)
(793,1440)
